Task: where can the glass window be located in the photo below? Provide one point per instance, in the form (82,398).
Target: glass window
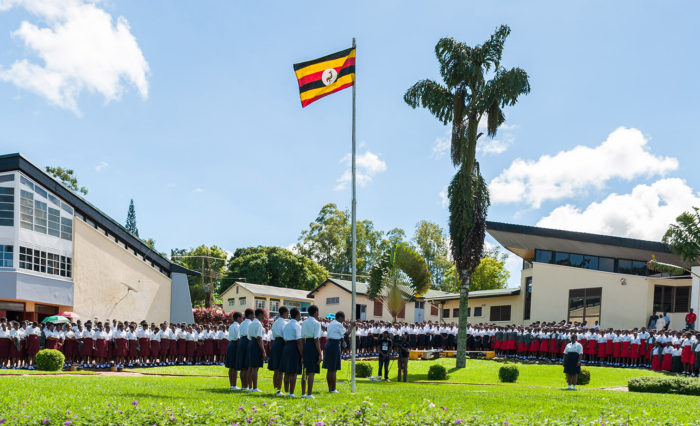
(543,256)
(41,191)
(66,228)
(500,313)
(528,298)
(54,200)
(26,182)
(40,216)
(477,312)
(241,301)
(274,305)
(469,312)
(576,260)
(584,305)
(66,208)
(332,300)
(259,303)
(25,258)
(232,302)
(624,266)
(6,253)
(606,264)
(671,299)
(7,206)
(561,258)
(455,313)
(445,313)
(26,210)
(54,222)
(7,178)
(590,262)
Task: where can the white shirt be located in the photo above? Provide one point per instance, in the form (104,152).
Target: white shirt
(234,332)
(278,327)
(292,331)
(335,330)
(574,347)
(255,330)
(311,329)
(244,327)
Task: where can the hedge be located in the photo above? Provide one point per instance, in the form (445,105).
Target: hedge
(584,377)
(670,384)
(508,373)
(437,372)
(49,360)
(363,369)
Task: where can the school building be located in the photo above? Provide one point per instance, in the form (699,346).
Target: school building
(241,296)
(579,276)
(60,253)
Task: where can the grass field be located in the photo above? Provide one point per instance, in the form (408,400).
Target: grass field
(537,398)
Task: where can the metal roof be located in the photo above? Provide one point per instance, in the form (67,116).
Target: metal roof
(361,288)
(273,291)
(480,294)
(12,162)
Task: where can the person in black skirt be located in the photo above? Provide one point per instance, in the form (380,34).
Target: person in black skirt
(290,363)
(312,355)
(273,364)
(331,352)
(256,349)
(234,334)
(572,362)
(242,349)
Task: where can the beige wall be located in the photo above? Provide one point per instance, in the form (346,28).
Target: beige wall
(250,299)
(485,303)
(622,306)
(101,272)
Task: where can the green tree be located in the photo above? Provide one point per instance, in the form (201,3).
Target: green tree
(273,266)
(210,262)
(131,219)
(475,85)
(399,274)
(67,177)
(491,273)
(683,237)
(431,243)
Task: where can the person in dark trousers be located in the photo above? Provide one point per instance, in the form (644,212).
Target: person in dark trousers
(404,351)
(384,343)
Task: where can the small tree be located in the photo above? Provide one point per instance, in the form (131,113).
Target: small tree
(131,219)
(67,177)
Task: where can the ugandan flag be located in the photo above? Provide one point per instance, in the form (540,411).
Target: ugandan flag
(323,76)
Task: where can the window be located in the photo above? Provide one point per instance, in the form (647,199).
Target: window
(671,299)
(53,264)
(433,309)
(6,253)
(500,313)
(40,216)
(469,312)
(7,178)
(232,302)
(274,305)
(584,305)
(54,227)
(543,256)
(455,313)
(26,209)
(67,228)
(445,313)
(25,258)
(606,264)
(45,262)
(528,298)
(259,303)
(332,300)
(7,206)
(477,312)
(241,301)
(378,308)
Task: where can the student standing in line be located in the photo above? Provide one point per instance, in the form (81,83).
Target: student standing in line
(256,349)
(275,361)
(572,362)
(404,351)
(385,345)
(312,355)
(290,364)
(331,352)
(234,334)
(242,350)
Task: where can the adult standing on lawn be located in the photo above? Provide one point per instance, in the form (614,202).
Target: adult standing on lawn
(234,335)
(572,361)
(385,346)
(275,361)
(404,351)
(242,349)
(690,319)
(331,352)
(312,355)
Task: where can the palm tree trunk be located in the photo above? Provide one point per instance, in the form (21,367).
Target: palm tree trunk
(465,278)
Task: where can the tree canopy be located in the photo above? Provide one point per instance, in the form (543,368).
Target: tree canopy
(131,219)
(210,261)
(67,176)
(683,237)
(491,273)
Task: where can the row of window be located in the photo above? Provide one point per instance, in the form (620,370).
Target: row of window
(44,216)
(455,312)
(7,206)
(598,263)
(6,253)
(259,303)
(671,299)
(332,300)
(45,262)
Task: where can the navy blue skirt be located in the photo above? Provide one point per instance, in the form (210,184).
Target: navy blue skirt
(242,353)
(230,361)
(331,355)
(311,364)
(291,360)
(275,356)
(255,356)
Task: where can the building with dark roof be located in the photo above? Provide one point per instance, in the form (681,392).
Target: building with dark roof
(59,253)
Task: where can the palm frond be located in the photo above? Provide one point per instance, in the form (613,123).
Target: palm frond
(683,237)
(492,50)
(433,96)
(414,266)
(455,60)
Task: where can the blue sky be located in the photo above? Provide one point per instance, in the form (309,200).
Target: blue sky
(192,110)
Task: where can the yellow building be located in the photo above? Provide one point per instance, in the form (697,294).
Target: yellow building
(241,296)
(60,253)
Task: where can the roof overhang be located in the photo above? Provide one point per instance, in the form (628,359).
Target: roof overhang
(523,240)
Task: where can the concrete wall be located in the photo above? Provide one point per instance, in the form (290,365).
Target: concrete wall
(485,303)
(251,297)
(180,300)
(111,282)
(17,285)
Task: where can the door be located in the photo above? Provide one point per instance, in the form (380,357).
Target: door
(361,312)
(420,312)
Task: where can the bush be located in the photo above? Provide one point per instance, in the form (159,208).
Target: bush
(584,377)
(677,385)
(508,373)
(363,370)
(437,372)
(49,360)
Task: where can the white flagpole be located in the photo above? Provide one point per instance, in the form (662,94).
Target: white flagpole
(353,348)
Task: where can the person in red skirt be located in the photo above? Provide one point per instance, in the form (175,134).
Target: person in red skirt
(143,336)
(121,346)
(600,351)
(544,344)
(133,357)
(643,347)
(617,348)
(687,353)
(191,344)
(100,352)
(155,345)
(656,356)
(181,331)
(16,339)
(87,344)
(634,350)
(172,352)
(31,342)
(625,349)
(69,347)
(223,344)
(667,360)
(109,345)
(164,334)
(4,344)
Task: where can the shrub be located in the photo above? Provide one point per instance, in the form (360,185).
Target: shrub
(678,385)
(508,373)
(49,360)
(437,372)
(363,369)
(584,377)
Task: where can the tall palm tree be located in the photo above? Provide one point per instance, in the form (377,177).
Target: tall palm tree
(474,86)
(400,272)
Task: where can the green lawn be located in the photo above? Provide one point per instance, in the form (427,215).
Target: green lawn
(537,398)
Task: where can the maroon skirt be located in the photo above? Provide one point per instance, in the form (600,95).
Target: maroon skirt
(144,346)
(68,348)
(121,348)
(155,348)
(88,347)
(50,343)
(223,345)
(133,349)
(208,347)
(15,352)
(173,347)
(4,347)
(182,347)
(33,344)
(191,346)
(164,347)
(101,348)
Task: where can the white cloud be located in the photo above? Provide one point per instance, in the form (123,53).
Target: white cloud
(198,190)
(488,146)
(101,166)
(444,199)
(624,154)
(368,166)
(81,48)
(645,213)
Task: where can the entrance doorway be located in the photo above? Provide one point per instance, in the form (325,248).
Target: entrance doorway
(13,311)
(420,312)
(43,311)
(361,312)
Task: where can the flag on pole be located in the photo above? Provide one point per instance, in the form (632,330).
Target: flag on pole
(323,76)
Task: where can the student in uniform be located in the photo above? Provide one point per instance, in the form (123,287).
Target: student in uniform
(385,345)
(234,334)
(572,362)
(275,361)
(256,349)
(404,351)
(331,352)
(312,355)
(291,354)
(242,349)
